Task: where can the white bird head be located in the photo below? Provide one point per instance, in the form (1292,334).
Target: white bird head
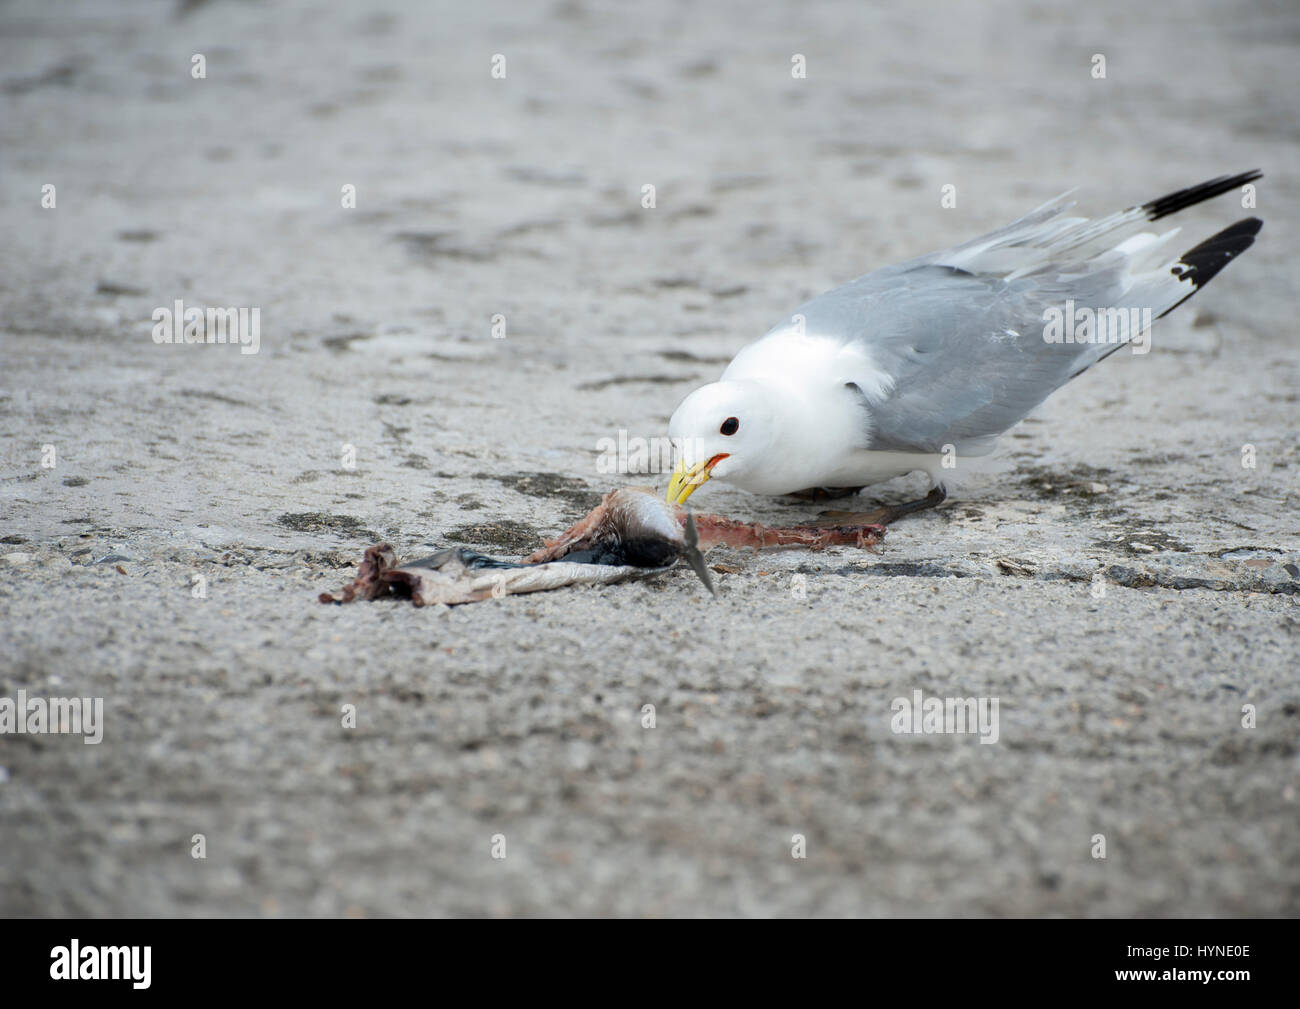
(751,434)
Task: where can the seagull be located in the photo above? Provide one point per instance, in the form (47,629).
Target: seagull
(916,365)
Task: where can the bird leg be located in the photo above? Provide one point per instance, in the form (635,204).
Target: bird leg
(886,514)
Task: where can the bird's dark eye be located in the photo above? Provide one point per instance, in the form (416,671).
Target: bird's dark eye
(730,426)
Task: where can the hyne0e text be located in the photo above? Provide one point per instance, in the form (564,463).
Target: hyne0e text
(1160,952)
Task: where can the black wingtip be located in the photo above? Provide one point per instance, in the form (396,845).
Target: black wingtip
(1199,265)
(1202,264)
(1192,195)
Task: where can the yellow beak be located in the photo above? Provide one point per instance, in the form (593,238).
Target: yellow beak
(685,481)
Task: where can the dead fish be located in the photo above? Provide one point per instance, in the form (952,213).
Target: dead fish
(632,533)
(630,526)
(459,575)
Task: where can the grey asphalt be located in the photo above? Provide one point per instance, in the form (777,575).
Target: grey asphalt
(1118,579)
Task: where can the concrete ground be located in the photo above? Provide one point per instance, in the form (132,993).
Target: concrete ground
(1118,579)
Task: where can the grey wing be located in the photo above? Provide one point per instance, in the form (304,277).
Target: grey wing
(964,354)
(960,335)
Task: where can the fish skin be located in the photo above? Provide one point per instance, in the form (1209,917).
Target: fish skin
(631,534)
